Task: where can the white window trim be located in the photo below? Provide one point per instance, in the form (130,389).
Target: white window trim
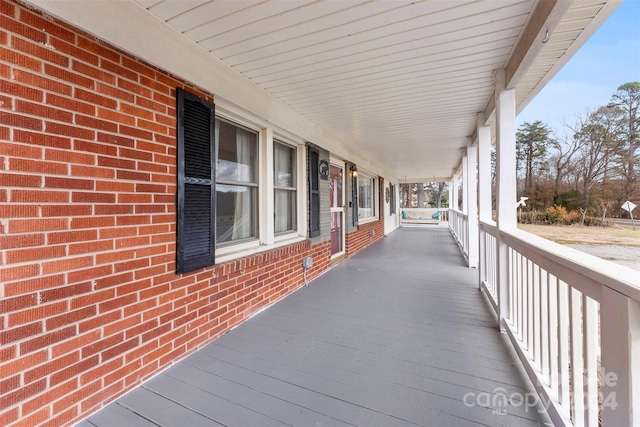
(303,191)
(289,233)
(267,239)
(392,199)
(232,248)
(265,196)
(374,199)
(226,247)
(241,252)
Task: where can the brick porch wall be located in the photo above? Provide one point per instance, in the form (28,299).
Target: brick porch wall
(361,238)
(90,305)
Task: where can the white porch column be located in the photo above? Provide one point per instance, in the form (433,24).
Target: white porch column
(484,172)
(450,194)
(465,184)
(471,202)
(484,192)
(506,185)
(456,181)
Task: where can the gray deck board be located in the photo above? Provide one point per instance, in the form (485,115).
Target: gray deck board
(397,335)
(117,415)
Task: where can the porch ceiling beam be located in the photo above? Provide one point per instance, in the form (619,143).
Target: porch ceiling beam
(544,20)
(543,23)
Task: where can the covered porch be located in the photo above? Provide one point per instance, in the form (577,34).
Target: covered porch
(398,335)
(322,109)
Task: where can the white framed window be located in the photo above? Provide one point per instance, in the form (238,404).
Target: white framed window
(366,197)
(237,188)
(240,191)
(285,197)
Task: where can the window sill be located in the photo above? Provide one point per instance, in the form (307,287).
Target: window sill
(366,220)
(285,237)
(257,248)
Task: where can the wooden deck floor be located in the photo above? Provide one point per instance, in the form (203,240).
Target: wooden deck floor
(398,335)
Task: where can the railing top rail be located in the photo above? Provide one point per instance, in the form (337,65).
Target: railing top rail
(489,227)
(617,277)
(457,212)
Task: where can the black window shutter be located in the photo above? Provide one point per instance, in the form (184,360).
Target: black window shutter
(354,196)
(313,156)
(196,182)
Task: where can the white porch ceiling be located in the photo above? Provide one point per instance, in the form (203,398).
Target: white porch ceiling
(399,81)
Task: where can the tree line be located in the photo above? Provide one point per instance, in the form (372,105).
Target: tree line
(592,169)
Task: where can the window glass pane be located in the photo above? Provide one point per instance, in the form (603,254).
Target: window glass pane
(236,212)
(285,207)
(365,196)
(335,186)
(284,165)
(284,180)
(237,153)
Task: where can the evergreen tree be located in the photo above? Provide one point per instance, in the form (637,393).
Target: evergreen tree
(532,142)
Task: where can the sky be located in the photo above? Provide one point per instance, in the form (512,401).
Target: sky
(610,58)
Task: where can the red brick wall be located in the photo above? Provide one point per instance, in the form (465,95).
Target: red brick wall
(89,302)
(361,238)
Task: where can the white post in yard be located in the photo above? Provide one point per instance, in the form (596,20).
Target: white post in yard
(506,186)
(472,203)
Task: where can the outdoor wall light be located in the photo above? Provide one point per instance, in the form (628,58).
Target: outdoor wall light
(353,171)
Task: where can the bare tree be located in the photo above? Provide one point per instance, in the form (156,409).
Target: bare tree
(420,189)
(627,99)
(440,187)
(562,160)
(597,134)
(437,189)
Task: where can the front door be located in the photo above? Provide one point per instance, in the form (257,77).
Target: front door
(336,192)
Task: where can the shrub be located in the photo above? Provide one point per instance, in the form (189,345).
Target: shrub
(552,215)
(594,221)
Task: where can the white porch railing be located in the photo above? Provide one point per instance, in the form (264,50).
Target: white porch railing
(458,223)
(574,321)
